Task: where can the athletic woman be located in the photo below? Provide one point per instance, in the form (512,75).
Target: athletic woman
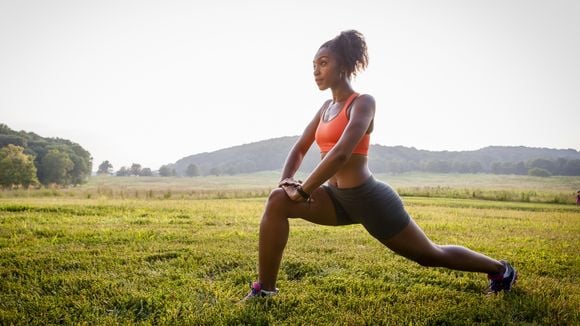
(342,128)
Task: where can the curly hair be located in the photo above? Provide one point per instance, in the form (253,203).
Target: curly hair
(350,48)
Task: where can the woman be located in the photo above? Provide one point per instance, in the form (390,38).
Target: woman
(342,128)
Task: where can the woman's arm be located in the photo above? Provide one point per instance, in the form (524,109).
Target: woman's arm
(361,116)
(300,148)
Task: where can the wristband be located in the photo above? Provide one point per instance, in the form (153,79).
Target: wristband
(303,193)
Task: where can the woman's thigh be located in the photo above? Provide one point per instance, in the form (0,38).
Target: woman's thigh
(411,243)
(319,210)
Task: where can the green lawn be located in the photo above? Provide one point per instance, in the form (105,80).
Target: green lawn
(100,260)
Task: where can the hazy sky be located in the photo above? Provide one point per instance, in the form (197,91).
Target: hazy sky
(150,82)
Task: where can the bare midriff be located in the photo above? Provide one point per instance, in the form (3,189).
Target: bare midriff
(353,173)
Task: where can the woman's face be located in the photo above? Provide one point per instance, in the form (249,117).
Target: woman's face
(326,69)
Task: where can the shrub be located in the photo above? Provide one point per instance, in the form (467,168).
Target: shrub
(539,172)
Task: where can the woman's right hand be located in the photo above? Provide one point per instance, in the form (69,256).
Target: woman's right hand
(289,182)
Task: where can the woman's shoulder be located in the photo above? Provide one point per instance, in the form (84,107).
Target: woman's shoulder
(366,100)
(325,105)
(365,97)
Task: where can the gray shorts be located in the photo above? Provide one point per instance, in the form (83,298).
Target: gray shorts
(373,204)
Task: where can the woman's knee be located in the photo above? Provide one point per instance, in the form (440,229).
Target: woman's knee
(277,200)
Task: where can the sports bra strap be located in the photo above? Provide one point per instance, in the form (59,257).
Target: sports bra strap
(344,108)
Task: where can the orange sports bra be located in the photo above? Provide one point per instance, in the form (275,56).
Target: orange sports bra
(329,132)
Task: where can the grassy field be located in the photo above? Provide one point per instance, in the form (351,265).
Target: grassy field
(109,259)
(558,189)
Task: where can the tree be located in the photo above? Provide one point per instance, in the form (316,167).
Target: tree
(146,172)
(475,167)
(16,168)
(105,168)
(394,166)
(123,172)
(192,170)
(83,163)
(572,167)
(135,169)
(81,170)
(438,166)
(38,147)
(215,171)
(6,140)
(166,171)
(497,168)
(55,167)
(231,170)
(560,166)
(543,164)
(520,168)
(508,168)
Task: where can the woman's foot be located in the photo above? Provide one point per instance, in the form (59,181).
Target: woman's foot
(256,291)
(502,281)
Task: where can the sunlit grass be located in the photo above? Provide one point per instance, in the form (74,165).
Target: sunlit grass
(103,261)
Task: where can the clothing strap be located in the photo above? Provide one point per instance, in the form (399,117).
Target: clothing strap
(348,102)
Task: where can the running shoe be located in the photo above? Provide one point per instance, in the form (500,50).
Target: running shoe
(502,281)
(256,291)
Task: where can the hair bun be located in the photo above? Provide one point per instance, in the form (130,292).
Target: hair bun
(351,48)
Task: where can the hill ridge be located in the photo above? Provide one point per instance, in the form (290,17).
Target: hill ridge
(270,154)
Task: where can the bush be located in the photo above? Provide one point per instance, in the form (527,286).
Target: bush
(539,172)
(16,168)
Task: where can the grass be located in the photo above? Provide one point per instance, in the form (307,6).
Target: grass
(182,250)
(109,260)
(559,190)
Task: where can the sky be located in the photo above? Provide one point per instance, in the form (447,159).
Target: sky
(150,82)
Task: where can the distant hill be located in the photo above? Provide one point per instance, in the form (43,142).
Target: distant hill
(266,155)
(270,155)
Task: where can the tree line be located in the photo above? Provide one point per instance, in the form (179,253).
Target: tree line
(27,159)
(137,170)
(535,167)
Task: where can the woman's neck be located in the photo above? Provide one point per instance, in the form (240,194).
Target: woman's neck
(341,92)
